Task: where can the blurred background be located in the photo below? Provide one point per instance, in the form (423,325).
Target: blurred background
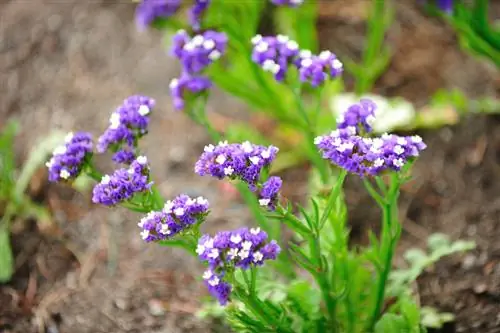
(65,65)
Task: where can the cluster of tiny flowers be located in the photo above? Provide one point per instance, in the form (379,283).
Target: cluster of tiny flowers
(242,248)
(359,116)
(149,10)
(127,124)
(195,55)
(196,12)
(243,161)
(268,196)
(123,183)
(68,160)
(291,3)
(176,216)
(275,54)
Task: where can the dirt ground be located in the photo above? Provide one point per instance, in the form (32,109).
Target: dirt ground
(66,65)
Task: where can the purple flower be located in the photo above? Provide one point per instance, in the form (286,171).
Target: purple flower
(274,54)
(198,52)
(269,192)
(369,156)
(236,161)
(187,85)
(316,69)
(445,5)
(149,10)
(124,156)
(242,248)
(290,3)
(175,217)
(360,116)
(69,159)
(127,123)
(123,184)
(196,12)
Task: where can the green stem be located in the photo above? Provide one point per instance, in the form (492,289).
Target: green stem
(293,222)
(334,193)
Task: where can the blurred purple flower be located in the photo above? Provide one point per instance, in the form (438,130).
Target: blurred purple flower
(269,193)
(149,10)
(181,88)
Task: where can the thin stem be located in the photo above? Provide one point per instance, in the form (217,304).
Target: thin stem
(293,222)
(334,193)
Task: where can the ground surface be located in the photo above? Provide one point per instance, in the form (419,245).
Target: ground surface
(71,63)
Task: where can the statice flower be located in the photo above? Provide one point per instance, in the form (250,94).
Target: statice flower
(200,51)
(175,217)
(242,248)
(149,10)
(359,116)
(274,54)
(243,161)
(269,193)
(124,156)
(127,123)
(68,160)
(369,156)
(316,69)
(196,12)
(123,184)
(180,88)
(290,3)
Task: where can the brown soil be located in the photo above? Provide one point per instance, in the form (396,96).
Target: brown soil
(72,62)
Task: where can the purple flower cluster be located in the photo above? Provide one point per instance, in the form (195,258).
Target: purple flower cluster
(175,217)
(359,116)
(196,12)
(68,160)
(149,10)
(290,3)
(242,248)
(123,183)
(243,161)
(195,55)
(276,54)
(269,192)
(127,124)
(362,155)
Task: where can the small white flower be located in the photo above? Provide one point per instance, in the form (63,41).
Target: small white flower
(145,234)
(201,201)
(64,174)
(325,55)
(174,83)
(398,149)
(257,256)
(246,245)
(142,160)
(179,211)
(209,148)
(105,179)
(306,62)
(377,142)
(61,150)
(282,39)
(214,253)
(378,162)
(255,231)
(209,243)
(345,146)
(165,229)
(232,253)
(143,110)
(220,159)
(398,162)
(262,47)
(198,40)
(401,141)
(236,239)
(318,139)
(351,130)
(292,45)
(50,163)
(255,160)
(228,171)
(243,254)
(370,120)
(222,143)
(208,44)
(416,139)
(305,54)
(270,66)
(264,202)
(265,154)
(130,171)
(247,147)
(69,137)
(214,55)
(336,64)
(386,136)
(167,208)
(207,275)
(200,249)
(189,46)
(214,281)
(190,202)
(256,39)
(296,2)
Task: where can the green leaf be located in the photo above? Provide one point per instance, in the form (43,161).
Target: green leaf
(391,323)
(6,257)
(7,161)
(308,298)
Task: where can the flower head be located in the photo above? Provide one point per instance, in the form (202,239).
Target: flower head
(369,156)
(360,116)
(149,10)
(269,193)
(243,161)
(274,54)
(316,69)
(227,250)
(124,156)
(68,160)
(175,217)
(123,184)
(198,52)
(127,123)
(445,5)
(196,12)
(181,87)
